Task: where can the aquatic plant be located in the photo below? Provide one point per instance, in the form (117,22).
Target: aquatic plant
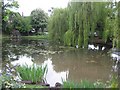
(32,73)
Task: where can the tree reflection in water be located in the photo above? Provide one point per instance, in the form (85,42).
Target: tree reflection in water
(52,76)
(71,64)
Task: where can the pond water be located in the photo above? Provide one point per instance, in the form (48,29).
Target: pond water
(63,63)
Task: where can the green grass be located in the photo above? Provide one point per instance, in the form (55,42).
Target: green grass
(37,37)
(33,73)
(33,86)
(113,83)
(83,84)
(0,36)
(5,36)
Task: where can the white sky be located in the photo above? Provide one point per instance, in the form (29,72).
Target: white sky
(26,6)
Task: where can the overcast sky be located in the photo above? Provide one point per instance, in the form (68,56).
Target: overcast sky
(26,6)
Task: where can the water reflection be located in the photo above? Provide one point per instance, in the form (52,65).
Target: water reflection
(52,76)
(116,56)
(66,63)
(23,60)
(83,65)
(93,47)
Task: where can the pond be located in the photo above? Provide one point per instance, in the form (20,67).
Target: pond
(64,63)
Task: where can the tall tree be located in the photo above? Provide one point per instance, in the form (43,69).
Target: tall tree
(58,24)
(86,22)
(38,19)
(7,5)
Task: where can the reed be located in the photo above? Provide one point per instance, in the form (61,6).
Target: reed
(33,73)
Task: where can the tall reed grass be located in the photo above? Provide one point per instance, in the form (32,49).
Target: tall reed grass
(32,73)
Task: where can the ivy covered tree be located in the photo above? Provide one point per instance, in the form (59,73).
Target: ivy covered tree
(38,19)
(12,20)
(7,5)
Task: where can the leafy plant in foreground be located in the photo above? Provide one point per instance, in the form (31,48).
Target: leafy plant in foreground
(33,73)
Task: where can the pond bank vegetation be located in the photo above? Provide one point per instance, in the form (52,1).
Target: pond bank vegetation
(7,80)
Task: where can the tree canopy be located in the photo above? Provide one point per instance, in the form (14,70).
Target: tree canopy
(7,5)
(12,20)
(38,19)
(81,22)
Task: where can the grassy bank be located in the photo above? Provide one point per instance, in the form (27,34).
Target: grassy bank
(37,37)
(33,86)
(0,36)
(4,36)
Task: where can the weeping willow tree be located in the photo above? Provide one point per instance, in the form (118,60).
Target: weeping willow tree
(69,34)
(118,43)
(116,39)
(58,24)
(112,26)
(84,19)
(81,21)
(78,32)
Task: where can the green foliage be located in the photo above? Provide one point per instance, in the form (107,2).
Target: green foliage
(33,86)
(6,11)
(7,81)
(113,82)
(87,84)
(111,30)
(19,22)
(12,20)
(83,84)
(69,38)
(58,24)
(37,37)
(82,20)
(33,73)
(38,19)
(22,23)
